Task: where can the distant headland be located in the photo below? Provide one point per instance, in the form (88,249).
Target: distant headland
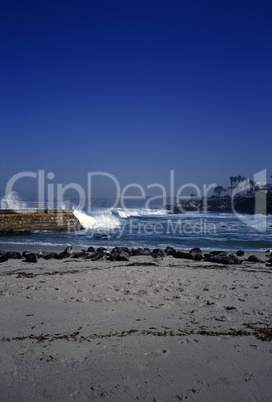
(242,205)
(247,197)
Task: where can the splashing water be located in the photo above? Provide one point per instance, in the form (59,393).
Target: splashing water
(139,212)
(12,201)
(100,220)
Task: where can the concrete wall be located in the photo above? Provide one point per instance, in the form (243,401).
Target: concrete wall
(29,220)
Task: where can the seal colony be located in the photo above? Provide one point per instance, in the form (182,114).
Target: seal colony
(135,324)
(124,254)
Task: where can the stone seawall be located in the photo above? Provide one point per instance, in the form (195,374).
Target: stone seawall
(18,221)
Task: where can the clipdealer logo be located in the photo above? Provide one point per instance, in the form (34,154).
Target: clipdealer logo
(51,193)
(257,220)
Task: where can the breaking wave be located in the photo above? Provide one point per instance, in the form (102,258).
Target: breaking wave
(140,212)
(113,218)
(99,220)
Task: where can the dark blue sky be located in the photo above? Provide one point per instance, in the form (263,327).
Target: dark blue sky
(135,88)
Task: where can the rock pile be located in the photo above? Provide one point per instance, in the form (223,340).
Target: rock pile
(124,254)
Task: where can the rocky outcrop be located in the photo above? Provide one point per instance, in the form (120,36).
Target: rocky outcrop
(242,205)
(254,258)
(183,207)
(124,254)
(223,258)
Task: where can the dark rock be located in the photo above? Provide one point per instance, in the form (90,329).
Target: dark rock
(31,257)
(41,253)
(196,253)
(119,254)
(119,249)
(138,251)
(79,253)
(13,255)
(223,258)
(101,249)
(254,258)
(91,250)
(182,254)
(49,256)
(101,237)
(235,258)
(98,256)
(195,250)
(169,250)
(69,250)
(3,258)
(89,256)
(15,232)
(156,250)
(62,255)
(123,256)
(217,252)
(198,257)
(240,253)
(113,256)
(182,208)
(158,253)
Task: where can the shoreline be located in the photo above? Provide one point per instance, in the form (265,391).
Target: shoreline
(223,235)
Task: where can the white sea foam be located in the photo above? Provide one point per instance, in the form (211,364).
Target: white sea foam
(99,220)
(34,243)
(12,201)
(138,212)
(110,218)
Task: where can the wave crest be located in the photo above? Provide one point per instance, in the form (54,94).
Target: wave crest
(99,220)
(139,212)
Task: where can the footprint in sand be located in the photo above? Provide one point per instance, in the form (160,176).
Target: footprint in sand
(188,340)
(157,352)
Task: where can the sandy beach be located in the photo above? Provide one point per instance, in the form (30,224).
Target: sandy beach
(148,329)
(136,201)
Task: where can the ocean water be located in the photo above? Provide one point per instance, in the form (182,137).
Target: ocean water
(156,228)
